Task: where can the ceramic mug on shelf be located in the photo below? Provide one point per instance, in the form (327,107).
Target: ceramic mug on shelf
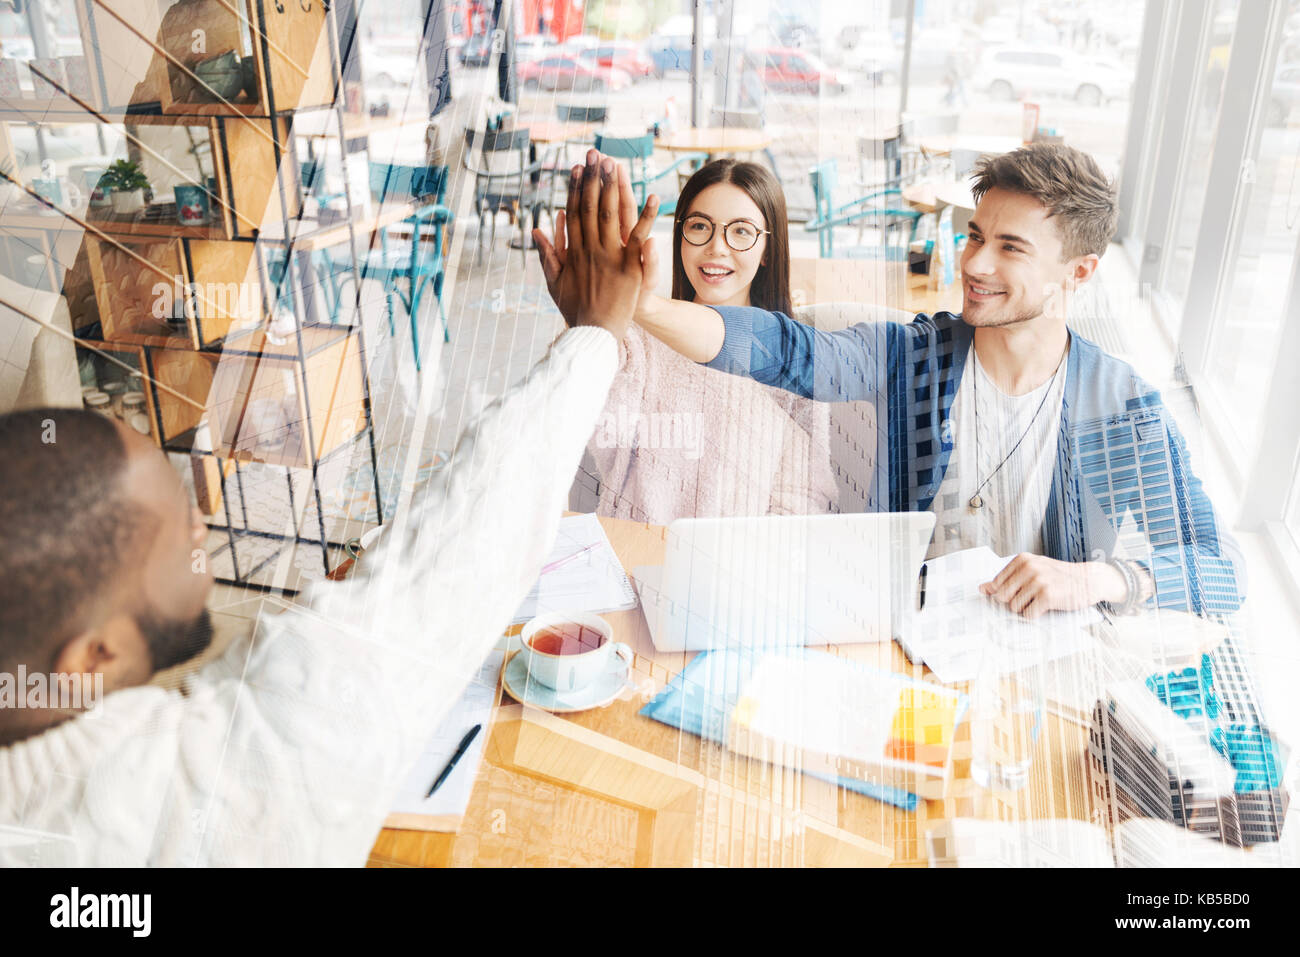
(567,652)
(191,205)
(50,190)
(99,195)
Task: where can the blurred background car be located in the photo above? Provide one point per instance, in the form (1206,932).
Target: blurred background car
(1012,72)
(669,52)
(790,70)
(629,57)
(534,47)
(477,50)
(571,73)
(1285,93)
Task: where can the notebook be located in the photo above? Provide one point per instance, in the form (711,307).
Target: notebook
(593,582)
(411,809)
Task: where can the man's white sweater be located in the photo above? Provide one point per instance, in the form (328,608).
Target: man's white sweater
(289,748)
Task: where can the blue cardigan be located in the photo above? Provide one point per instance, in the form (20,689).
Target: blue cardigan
(1119,453)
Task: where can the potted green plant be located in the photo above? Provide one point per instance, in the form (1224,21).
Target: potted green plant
(128,183)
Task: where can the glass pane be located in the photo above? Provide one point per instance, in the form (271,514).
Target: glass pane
(1196,169)
(52,65)
(1293,513)
(1244,342)
(1075,61)
(1148,144)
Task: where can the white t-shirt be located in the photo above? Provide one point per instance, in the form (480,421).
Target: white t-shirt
(1010,520)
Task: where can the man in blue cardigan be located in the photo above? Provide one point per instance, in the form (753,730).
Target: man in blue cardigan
(1016,432)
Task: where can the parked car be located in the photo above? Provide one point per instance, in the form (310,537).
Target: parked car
(673,52)
(1284,94)
(875,55)
(628,57)
(787,70)
(534,47)
(1010,73)
(571,73)
(477,50)
(389,64)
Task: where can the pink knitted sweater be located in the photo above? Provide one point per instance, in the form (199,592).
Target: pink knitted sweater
(678,440)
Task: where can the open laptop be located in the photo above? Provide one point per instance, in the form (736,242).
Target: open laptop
(784,581)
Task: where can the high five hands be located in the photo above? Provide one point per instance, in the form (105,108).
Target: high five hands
(602,255)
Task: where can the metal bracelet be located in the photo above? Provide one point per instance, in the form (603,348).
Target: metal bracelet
(1132,588)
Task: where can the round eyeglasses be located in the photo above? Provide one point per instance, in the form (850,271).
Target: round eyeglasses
(740,234)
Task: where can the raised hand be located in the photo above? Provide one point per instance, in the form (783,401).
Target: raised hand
(600,276)
(627,219)
(554,256)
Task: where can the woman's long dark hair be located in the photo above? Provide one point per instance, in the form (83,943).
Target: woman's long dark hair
(771,286)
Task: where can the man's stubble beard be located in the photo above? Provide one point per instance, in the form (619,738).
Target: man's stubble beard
(173,642)
(1023,316)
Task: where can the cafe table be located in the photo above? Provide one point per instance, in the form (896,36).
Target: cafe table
(610,787)
(553,131)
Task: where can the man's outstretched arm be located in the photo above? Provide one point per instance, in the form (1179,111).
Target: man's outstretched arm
(769,347)
(295,760)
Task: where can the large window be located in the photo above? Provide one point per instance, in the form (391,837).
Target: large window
(1196,170)
(1293,514)
(1073,59)
(1243,348)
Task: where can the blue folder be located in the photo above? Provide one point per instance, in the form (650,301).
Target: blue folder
(703,695)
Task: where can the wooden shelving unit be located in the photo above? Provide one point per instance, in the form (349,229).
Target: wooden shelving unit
(153,60)
(182,310)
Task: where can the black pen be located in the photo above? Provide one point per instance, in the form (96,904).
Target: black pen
(460,752)
(923,575)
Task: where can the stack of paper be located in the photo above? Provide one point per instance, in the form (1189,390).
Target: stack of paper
(587,577)
(958,625)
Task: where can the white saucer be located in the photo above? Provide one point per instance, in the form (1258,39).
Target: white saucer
(526,690)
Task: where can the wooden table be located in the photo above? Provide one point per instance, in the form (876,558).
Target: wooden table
(610,787)
(715,141)
(557,132)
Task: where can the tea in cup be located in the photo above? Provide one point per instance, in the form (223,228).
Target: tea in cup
(569,652)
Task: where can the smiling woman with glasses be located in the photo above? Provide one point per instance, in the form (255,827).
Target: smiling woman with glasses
(678,440)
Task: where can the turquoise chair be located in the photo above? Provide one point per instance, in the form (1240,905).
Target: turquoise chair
(420,264)
(638,151)
(416,260)
(882,209)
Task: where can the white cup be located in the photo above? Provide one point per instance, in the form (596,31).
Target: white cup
(570,672)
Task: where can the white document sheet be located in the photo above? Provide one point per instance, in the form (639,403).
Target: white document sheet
(594,582)
(958,623)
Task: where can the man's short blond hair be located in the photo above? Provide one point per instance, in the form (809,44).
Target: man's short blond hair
(1065,180)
